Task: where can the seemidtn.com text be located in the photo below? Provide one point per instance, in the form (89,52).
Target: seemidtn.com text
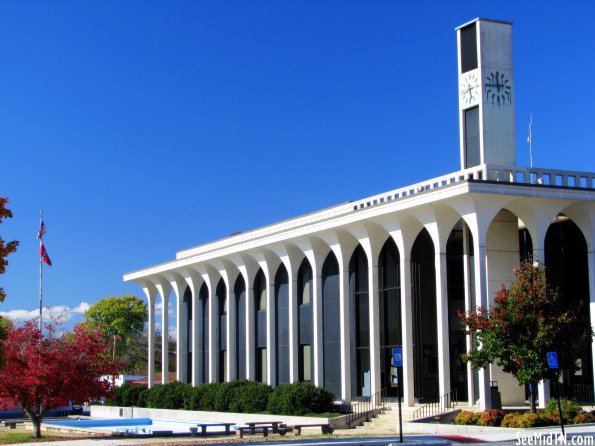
(549,439)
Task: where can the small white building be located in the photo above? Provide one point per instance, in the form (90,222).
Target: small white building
(326,296)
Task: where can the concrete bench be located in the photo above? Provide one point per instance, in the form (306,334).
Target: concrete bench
(241,430)
(10,424)
(324,427)
(203,427)
(274,425)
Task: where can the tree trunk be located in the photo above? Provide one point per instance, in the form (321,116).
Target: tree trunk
(533,398)
(36,420)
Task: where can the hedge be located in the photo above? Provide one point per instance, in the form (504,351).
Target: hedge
(300,399)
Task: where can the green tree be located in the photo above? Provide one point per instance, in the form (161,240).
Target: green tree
(119,318)
(524,323)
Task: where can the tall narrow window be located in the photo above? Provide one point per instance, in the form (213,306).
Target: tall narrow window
(260,325)
(305,334)
(472,149)
(468,48)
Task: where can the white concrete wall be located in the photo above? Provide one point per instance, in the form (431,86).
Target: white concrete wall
(503,257)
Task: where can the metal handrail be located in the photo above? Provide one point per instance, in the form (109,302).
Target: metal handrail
(366,407)
(583,393)
(444,404)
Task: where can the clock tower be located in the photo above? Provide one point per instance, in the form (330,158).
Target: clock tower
(486,93)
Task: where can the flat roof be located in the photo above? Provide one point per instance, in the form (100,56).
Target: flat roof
(483,20)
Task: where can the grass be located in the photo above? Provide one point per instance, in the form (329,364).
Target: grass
(27,437)
(18,437)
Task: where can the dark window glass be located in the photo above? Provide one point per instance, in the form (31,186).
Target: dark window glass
(240,295)
(468,48)
(472,156)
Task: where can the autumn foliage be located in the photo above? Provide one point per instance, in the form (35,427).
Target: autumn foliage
(524,323)
(49,370)
(5,247)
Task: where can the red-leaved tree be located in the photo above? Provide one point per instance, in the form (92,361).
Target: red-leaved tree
(47,371)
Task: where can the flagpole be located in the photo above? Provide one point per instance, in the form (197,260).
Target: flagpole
(530,140)
(40,282)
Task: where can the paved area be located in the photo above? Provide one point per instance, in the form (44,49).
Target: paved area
(575,435)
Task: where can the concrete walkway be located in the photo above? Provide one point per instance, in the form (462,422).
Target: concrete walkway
(575,434)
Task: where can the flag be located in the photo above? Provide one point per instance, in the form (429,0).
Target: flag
(44,254)
(41,231)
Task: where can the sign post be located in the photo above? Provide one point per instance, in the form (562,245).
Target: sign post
(397,364)
(552,361)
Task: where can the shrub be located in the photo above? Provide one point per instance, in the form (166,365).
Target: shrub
(143,396)
(584,417)
(130,394)
(467,418)
(510,419)
(202,397)
(252,397)
(226,395)
(299,399)
(491,417)
(168,396)
(569,410)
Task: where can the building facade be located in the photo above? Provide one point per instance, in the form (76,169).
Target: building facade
(325,297)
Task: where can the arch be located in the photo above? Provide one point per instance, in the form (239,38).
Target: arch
(260,326)
(203,334)
(359,305)
(282,325)
(304,322)
(221,292)
(425,334)
(459,260)
(239,291)
(566,261)
(331,326)
(389,309)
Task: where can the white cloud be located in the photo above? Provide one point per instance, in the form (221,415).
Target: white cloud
(62,313)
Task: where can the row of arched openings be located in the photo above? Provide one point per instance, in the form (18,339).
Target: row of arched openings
(567,269)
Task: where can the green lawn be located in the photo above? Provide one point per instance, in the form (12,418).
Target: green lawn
(25,437)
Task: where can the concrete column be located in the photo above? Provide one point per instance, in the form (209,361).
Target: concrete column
(181,335)
(442,324)
(231,333)
(213,366)
(374,322)
(195,331)
(271,335)
(165,338)
(293,329)
(317,326)
(591,266)
(408,387)
(481,297)
(344,327)
(151,294)
(468,307)
(543,393)
(250,338)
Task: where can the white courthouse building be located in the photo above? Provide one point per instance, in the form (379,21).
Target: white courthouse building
(325,297)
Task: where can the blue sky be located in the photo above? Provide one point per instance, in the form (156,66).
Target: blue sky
(142,128)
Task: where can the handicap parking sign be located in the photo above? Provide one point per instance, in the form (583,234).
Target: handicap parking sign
(398,356)
(552,360)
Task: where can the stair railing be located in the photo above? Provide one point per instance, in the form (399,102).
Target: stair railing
(366,408)
(445,403)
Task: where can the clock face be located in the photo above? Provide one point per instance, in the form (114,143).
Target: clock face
(497,89)
(470,89)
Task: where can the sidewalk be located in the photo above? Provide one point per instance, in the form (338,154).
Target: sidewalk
(583,434)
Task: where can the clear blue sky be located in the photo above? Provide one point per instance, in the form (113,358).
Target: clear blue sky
(145,127)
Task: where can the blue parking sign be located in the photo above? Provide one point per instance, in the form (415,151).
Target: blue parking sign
(398,356)
(552,360)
